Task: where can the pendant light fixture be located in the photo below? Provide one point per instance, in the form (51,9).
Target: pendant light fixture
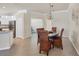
(50,11)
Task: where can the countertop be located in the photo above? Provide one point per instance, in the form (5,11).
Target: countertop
(6,31)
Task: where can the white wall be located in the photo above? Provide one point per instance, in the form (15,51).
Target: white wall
(38,15)
(19,25)
(23,24)
(61,20)
(48,24)
(74,26)
(27,24)
(36,23)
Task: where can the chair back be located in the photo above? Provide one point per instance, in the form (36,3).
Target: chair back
(61,32)
(44,42)
(54,29)
(44,35)
(38,30)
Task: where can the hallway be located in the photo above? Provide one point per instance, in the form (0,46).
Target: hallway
(28,47)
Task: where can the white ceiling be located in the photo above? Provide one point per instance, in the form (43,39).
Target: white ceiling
(35,7)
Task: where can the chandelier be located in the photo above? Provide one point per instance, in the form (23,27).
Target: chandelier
(50,11)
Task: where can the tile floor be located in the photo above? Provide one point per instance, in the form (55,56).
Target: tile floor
(29,47)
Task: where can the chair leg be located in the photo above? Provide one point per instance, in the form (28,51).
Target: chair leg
(37,42)
(40,51)
(47,53)
(50,47)
(53,44)
(62,47)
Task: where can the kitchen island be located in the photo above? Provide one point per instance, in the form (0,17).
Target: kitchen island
(6,39)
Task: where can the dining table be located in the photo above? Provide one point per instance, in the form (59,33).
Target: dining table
(52,34)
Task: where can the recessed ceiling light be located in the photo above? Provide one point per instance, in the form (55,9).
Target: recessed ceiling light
(3,7)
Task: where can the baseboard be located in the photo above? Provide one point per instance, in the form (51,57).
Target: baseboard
(74,46)
(65,36)
(19,38)
(5,48)
(27,37)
